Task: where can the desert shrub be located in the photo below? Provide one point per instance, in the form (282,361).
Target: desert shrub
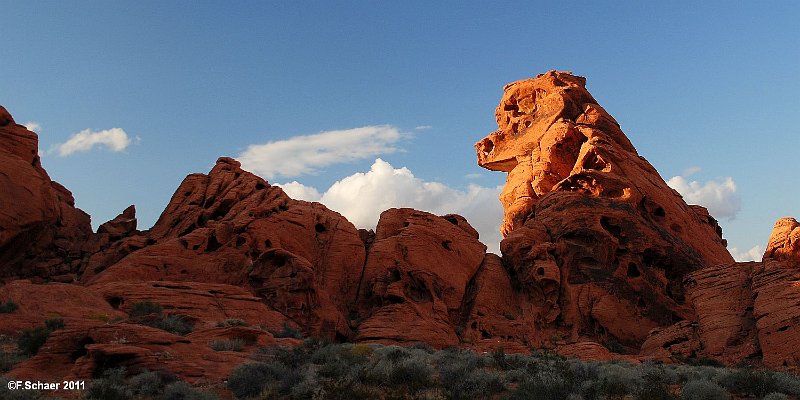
(746,381)
(110,385)
(288,332)
(413,373)
(248,380)
(31,340)
(361,350)
(478,383)
(144,309)
(703,390)
(183,391)
(54,324)
(147,383)
(654,385)
(423,346)
(235,344)
(544,385)
(231,322)
(8,359)
(7,394)
(308,386)
(776,396)
(172,323)
(616,381)
(8,307)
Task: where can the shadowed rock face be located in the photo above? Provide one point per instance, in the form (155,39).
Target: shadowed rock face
(592,232)
(42,234)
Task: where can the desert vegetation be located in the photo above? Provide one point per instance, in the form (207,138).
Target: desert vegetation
(360,371)
(152,314)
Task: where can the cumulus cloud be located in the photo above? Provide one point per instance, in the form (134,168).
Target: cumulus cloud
(361,198)
(32,126)
(298,191)
(720,197)
(114,139)
(691,171)
(754,254)
(302,155)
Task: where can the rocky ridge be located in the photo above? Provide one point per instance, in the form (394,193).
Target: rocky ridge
(601,259)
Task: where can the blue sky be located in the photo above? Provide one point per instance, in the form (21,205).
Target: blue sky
(709,86)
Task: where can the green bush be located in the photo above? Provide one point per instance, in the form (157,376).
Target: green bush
(9,359)
(183,391)
(413,373)
(172,323)
(249,380)
(54,324)
(110,386)
(288,332)
(235,344)
(703,390)
(231,322)
(144,309)
(8,307)
(31,340)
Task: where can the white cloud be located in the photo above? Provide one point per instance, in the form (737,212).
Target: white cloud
(754,254)
(114,139)
(300,155)
(32,126)
(361,198)
(691,171)
(473,176)
(423,127)
(719,197)
(298,191)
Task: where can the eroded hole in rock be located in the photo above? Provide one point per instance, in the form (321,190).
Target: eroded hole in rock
(511,107)
(676,228)
(418,291)
(446,244)
(115,302)
(609,226)
(633,271)
(186,194)
(488,146)
(268,243)
(213,244)
(240,241)
(540,271)
(260,186)
(452,220)
(223,209)
(319,228)
(641,303)
(784,328)
(659,212)
(80,350)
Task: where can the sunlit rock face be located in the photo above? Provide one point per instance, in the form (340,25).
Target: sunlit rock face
(592,232)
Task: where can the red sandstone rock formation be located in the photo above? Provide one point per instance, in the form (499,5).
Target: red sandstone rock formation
(784,243)
(599,254)
(41,231)
(594,237)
